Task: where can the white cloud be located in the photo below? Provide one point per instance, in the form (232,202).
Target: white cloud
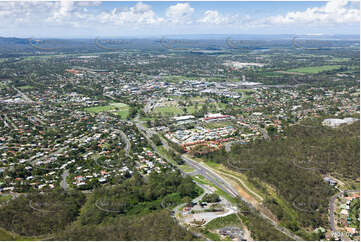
(180,13)
(31,18)
(335,11)
(61,11)
(139,14)
(213,17)
(88,3)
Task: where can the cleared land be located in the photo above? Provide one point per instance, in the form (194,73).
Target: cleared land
(314,69)
(121,109)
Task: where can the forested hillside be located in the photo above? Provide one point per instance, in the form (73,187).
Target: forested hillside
(133,210)
(40,214)
(294,166)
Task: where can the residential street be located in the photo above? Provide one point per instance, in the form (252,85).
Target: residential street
(332,208)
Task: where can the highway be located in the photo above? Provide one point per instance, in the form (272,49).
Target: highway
(215,179)
(211,176)
(230,190)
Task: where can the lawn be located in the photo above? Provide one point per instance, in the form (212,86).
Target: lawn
(176,78)
(172,110)
(25,87)
(121,109)
(169,110)
(214,125)
(230,220)
(165,153)
(186,168)
(5,198)
(315,69)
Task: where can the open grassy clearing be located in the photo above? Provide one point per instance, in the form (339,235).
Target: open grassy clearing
(314,69)
(5,198)
(26,87)
(172,110)
(177,78)
(230,220)
(338,59)
(169,110)
(120,108)
(186,168)
(164,153)
(221,124)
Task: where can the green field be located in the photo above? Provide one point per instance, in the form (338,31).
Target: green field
(25,87)
(186,168)
(230,220)
(169,110)
(120,108)
(314,69)
(214,125)
(5,198)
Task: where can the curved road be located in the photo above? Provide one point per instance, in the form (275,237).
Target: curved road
(332,208)
(127,142)
(217,180)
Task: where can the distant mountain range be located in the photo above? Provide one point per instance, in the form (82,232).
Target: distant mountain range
(206,37)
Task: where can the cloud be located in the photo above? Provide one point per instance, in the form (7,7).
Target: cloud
(32,18)
(180,13)
(213,17)
(88,3)
(61,11)
(334,12)
(139,14)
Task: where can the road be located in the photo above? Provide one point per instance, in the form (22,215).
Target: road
(64,183)
(265,134)
(10,122)
(218,181)
(211,176)
(26,98)
(195,200)
(332,208)
(206,172)
(148,106)
(127,143)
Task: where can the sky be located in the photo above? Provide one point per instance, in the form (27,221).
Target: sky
(91,19)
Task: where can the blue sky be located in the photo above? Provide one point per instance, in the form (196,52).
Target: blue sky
(89,19)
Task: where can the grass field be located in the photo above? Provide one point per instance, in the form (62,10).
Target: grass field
(214,125)
(169,110)
(172,110)
(5,198)
(176,78)
(315,69)
(186,168)
(230,220)
(120,108)
(25,87)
